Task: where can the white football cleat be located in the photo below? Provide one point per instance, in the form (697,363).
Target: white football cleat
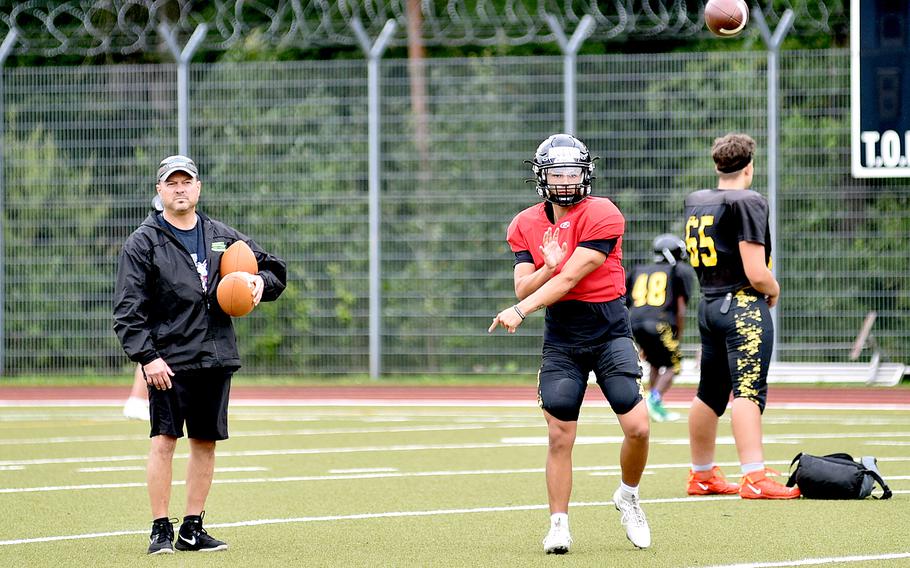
(633,519)
(558,539)
(136,409)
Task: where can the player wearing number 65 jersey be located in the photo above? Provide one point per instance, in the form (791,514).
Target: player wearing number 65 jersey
(729,245)
(657,296)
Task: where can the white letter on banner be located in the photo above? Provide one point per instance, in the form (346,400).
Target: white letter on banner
(891,148)
(869,138)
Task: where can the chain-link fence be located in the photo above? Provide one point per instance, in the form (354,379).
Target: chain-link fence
(283,151)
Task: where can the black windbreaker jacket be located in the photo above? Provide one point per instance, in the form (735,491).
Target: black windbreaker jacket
(160,309)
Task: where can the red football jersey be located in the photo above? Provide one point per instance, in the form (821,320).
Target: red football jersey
(595,218)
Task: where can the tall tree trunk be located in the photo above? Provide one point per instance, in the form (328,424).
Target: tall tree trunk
(417,71)
(419,112)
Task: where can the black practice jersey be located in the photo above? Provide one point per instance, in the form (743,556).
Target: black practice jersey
(652,291)
(717,220)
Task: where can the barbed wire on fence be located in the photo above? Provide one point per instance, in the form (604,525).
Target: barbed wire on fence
(99,27)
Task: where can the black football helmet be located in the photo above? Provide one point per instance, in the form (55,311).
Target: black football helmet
(669,248)
(562,151)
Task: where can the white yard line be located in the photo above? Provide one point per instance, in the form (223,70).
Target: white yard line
(360,516)
(274,433)
(366,473)
(110,469)
(536,441)
(398,514)
(365,470)
(816,561)
(373,473)
(142,468)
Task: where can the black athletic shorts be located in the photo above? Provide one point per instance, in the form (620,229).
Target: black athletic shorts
(563,377)
(735,349)
(199,398)
(660,346)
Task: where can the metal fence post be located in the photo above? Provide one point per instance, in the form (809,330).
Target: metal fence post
(183,57)
(773,43)
(570,49)
(5,48)
(374,53)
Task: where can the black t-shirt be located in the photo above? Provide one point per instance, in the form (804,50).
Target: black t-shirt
(652,290)
(717,221)
(191,239)
(194,242)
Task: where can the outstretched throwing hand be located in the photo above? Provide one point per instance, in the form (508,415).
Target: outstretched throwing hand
(553,253)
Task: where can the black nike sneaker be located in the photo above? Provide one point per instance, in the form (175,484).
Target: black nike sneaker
(161,541)
(192,536)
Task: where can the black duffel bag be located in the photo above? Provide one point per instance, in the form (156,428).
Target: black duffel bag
(836,476)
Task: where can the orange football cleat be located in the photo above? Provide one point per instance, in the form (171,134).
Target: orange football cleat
(710,482)
(757,485)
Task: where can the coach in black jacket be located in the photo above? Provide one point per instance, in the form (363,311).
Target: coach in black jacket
(168,320)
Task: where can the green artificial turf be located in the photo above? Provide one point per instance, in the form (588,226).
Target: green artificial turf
(430,486)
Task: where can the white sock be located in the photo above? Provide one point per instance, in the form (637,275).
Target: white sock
(627,490)
(748,468)
(703,467)
(559,519)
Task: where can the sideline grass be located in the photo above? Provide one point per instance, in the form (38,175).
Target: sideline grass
(429,486)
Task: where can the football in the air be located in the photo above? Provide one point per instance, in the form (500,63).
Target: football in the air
(726,18)
(238,257)
(235,295)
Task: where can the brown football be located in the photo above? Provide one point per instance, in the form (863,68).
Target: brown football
(238,257)
(235,296)
(726,18)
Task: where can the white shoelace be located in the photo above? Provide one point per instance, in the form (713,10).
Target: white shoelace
(632,513)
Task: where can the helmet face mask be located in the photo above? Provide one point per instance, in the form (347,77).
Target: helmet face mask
(562,168)
(669,248)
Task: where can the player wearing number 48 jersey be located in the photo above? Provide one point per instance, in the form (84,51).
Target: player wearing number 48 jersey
(657,296)
(729,245)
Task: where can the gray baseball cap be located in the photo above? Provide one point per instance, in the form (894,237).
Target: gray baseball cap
(177,163)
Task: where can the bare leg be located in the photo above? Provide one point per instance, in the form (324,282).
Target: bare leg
(199,472)
(702,432)
(159,474)
(653,378)
(137,405)
(559,462)
(634,453)
(747,431)
(664,380)
(140,387)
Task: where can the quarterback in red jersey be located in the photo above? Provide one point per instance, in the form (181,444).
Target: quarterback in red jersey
(568,259)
